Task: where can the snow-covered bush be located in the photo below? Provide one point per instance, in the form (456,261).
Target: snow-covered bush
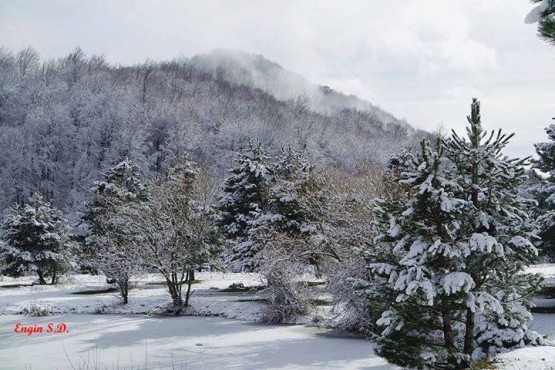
(36,310)
(447,278)
(288,296)
(346,232)
(293,232)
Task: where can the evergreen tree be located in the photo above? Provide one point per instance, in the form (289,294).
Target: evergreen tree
(36,239)
(544,14)
(108,244)
(543,190)
(245,198)
(293,231)
(294,190)
(447,266)
(297,210)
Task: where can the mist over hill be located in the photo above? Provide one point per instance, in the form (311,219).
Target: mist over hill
(65,121)
(256,71)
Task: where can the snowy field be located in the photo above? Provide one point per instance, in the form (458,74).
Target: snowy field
(104,334)
(117,342)
(86,294)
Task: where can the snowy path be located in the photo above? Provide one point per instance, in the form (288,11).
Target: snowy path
(118,342)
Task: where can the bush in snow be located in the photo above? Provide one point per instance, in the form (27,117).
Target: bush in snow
(36,239)
(288,295)
(350,281)
(447,279)
(108,243)
(347,275)
(294,233)
(36,310)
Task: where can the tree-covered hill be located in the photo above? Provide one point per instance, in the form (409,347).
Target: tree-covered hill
(65,121)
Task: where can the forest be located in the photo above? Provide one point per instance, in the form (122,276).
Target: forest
(66,121)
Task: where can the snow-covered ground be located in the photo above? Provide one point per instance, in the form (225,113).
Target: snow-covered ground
(132,341)
(134,336)
(148,297)
(547,270)
(536,358)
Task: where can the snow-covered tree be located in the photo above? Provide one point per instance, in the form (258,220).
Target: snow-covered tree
(176,231)
(543,190)
(290,231)
(245,198)
(447,278)
(351,204)
(294,204)
(35,239)
(544,15)
(108,244)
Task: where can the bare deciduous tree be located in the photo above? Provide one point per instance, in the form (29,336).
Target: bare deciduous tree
(175,231)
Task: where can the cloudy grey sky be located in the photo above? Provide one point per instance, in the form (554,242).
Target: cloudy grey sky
(422,60)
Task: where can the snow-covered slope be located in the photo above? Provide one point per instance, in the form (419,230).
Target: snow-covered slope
(256,71)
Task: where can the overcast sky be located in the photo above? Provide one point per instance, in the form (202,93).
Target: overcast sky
(422,60)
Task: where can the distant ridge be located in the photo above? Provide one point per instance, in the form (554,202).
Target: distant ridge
(64,121)
(257,71)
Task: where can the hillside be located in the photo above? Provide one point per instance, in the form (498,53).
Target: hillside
(63,122)
(258,72)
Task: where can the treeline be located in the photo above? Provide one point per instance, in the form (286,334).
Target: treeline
(278,215)
(64,122)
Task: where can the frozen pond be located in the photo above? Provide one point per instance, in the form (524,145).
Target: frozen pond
(139,342)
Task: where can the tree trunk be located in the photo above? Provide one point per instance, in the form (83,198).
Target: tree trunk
(448,330)
(190,278)
(53,278)
(469,344)
(175,291)
(41,277)
(124,290)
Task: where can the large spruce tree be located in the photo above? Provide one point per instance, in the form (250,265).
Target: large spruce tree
(447,267)
(36,239)
(244,199)
(108,245)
